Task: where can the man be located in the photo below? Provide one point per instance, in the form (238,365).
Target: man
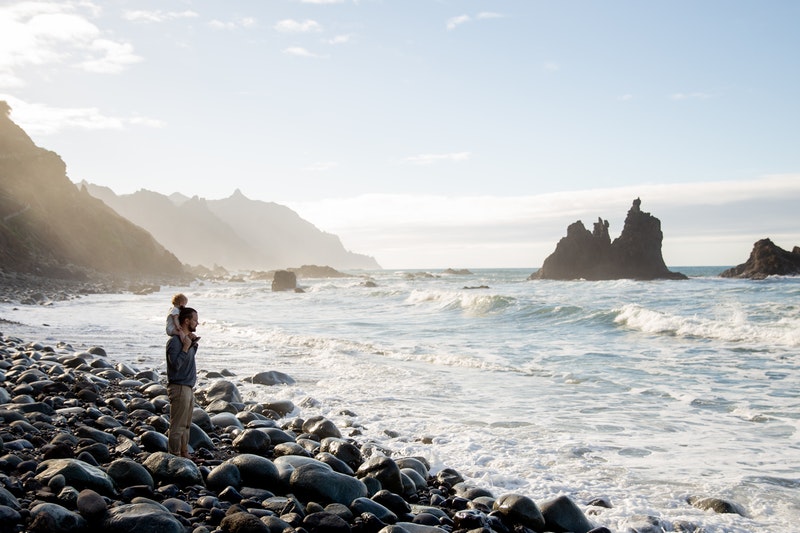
(181,378)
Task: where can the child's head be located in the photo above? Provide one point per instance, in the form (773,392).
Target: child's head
(180,300)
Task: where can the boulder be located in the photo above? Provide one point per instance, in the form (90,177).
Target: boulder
(167,468)
(561,514)
(385,470)
(521,510)
(77,474)
(635,254)
(271,377)
(767,259)
(284,280)
(127,472)
(144,516)
(319,483)
(51,517)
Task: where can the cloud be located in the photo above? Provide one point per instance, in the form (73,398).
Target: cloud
(427,159)
(244,22)
(299,51)
(690,96)
(111,58)
(47,35)
(341,39)
(454,22)
(295,26)
(158,15)
(41,119)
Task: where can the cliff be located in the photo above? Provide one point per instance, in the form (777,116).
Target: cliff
(49,227)
(635,254)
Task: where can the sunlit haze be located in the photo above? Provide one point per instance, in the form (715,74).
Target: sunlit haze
(430,133)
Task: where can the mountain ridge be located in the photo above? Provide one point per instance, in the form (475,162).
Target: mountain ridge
(237,233)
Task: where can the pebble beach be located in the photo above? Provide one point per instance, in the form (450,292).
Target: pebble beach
(84,448)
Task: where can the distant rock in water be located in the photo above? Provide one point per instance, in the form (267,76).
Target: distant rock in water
(635,254)
(767,259)
(284,281)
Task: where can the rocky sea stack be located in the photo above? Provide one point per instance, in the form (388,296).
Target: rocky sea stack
(767,259)
(635,254)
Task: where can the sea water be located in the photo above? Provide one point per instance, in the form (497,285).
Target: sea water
(642,393)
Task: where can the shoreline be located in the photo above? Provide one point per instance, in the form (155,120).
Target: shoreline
(84,446)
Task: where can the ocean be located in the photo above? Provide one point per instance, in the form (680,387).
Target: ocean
(642,393)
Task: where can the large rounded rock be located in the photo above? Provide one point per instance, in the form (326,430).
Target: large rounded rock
(365,505)
(127,473)
(77,474)
(91,505)
(319,483)
(243,522)
(321,427)
(561,514)
(252,441)
(224,420)
(324,522)
(9,500)
(385,470)
(415,463)
(141,517)
(271,377)
(52,518)
(521,510)
(225,475)
(222,390)
(343,450)
(165,467)
(257,471)
(198,438)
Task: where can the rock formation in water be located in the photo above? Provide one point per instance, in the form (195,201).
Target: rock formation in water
(767,259)
(635,254)
(51,228)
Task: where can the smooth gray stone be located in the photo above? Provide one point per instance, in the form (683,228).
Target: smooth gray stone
(277,435)
(521,509)
(413,475)
(414,463)
(562,514)
(168,468)
(411,527)
(224,420)
(222,390)
(96,435)
(318,482)
(9,500)
(258,472)
(56,518)
(128,473)
(385,470)
(321,427)
(252,441)
(271,377)
(198,438)
(142,517)
(342,450)
(153,441)
(365,505)
(77,474)
(225,475)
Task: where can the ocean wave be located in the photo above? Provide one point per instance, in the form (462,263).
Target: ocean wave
(730,325)
(470,301)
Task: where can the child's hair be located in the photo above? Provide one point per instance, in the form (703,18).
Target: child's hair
(178,299)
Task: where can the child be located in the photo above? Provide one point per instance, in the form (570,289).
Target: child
(179,301)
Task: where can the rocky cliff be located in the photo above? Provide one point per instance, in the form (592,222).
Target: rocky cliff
(767,259)
(50,228)
(635,254)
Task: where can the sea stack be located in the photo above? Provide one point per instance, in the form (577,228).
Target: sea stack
(635,254)
(767,259)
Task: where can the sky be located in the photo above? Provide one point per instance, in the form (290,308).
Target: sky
(431,133)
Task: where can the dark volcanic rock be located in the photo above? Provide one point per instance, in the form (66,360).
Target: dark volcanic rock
(635,254)
(767,259)
(284,281)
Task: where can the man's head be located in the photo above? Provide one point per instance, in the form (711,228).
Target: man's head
(188,318)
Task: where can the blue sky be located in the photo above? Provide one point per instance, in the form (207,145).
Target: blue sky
(431,133)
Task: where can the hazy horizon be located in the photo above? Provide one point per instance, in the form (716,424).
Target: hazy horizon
(430,134)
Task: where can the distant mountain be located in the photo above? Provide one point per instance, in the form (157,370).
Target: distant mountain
(237,233)
(51,228)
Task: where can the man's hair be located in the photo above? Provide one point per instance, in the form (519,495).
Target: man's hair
(185,314)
